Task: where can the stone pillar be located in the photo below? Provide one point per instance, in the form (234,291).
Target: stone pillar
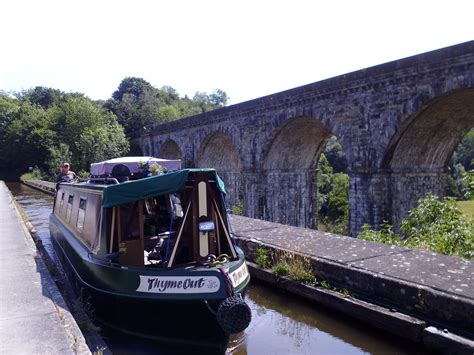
(290,197)
(369,200)
(253,188)
(408,187)
(233,186)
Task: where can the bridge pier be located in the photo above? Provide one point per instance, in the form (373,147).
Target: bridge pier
(408,187)
(290,197)
(369,199)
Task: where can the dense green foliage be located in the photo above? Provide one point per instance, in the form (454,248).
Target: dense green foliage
(461,169)
(333,196)
(435,224)
(138,105)
(43,127)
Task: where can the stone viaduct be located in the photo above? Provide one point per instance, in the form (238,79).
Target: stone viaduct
(398,123)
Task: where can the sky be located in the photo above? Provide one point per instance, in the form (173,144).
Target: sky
(246,48)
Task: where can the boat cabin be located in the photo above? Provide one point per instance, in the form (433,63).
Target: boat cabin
(170,220)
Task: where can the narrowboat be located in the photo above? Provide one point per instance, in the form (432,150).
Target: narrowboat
(153,255)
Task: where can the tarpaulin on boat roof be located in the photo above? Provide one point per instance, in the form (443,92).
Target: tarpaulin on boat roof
(133,163)
(168,183)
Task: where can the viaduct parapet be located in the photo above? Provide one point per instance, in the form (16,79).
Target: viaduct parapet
(398,123)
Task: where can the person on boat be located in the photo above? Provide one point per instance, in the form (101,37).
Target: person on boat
(65,175)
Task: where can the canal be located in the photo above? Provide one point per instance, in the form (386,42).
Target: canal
(281,323)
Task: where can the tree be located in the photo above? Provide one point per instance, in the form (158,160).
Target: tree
(136,105)
(465,151)
(26,140)
(332,197)
(335,155)
(42,96)
(91,133)
(218,98)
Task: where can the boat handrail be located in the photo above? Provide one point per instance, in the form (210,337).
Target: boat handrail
(104,180)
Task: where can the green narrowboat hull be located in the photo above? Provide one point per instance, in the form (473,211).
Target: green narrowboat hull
(172,304)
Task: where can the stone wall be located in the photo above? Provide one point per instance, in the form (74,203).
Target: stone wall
(401,117)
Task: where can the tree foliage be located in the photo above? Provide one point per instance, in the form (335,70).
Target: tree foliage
(435,224)
(332,197)
(138,105)
(43,128)
(461,169)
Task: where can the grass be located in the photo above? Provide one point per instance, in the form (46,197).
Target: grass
(467,208)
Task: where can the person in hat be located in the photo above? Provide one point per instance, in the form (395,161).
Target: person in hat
(65,175)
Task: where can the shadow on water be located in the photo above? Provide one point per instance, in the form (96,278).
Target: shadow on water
(281,323)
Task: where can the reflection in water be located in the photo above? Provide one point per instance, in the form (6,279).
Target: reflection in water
(281,323)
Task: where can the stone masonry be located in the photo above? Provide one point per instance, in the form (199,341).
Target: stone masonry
(398,123)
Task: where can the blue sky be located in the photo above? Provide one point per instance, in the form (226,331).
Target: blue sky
(246,48)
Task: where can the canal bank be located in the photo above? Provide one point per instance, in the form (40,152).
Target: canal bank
(421,296)
(418,295)
(33,315)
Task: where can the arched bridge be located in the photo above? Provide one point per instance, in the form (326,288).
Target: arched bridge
(398,123)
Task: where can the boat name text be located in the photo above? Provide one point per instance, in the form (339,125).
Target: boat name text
(239,275)
(179,284)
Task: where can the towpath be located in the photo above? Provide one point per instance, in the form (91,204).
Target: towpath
(33,316)
(435,291)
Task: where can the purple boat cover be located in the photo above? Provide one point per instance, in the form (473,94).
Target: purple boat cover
(105,167)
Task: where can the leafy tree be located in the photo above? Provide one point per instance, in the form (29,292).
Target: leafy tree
(435,224)
(335,155)
(465,151)
(85,128)
(136,104)
(26,139)
(332,197)
(218,98)
(460,168)
(42,96)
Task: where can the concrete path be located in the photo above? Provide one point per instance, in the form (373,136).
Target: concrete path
(33,316)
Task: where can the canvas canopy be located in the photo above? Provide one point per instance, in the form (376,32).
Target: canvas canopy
(168,183)
(105,167)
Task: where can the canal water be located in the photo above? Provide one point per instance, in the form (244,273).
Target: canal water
(281,323)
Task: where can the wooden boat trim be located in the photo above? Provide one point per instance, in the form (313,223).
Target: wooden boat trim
(229,240)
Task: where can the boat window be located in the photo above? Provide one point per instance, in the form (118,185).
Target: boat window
(70,200)
(81,216)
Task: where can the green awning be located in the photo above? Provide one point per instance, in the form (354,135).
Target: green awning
(168,183)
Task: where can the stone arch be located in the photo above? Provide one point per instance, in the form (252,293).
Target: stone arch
(218,151)
(170,150)
(418,154)
(290,171)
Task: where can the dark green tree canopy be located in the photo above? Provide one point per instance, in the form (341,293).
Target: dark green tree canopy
(138,105)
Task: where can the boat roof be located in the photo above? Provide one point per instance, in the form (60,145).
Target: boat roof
(133,163)
(168,183)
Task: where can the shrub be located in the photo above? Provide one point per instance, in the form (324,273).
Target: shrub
(238,209)
(262,259)
(281,268)
(435,224)
(35,174)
